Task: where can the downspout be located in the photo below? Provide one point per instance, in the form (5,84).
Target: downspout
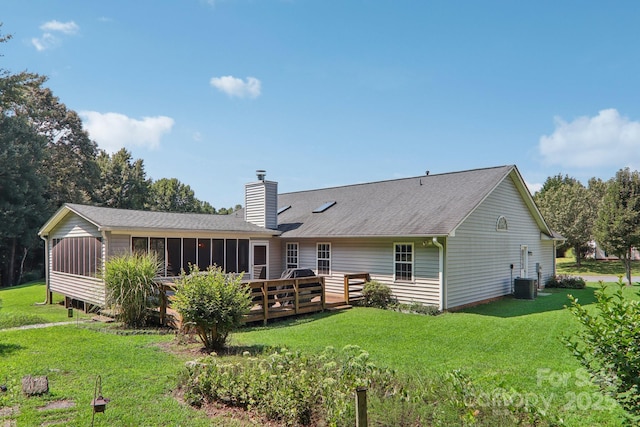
(48,297)
(443,300)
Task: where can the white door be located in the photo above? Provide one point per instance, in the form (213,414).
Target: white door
(259,260)
(524,261)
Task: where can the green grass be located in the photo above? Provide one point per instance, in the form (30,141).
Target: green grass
(591,267)
(509,344)
(23,305)
(513,344)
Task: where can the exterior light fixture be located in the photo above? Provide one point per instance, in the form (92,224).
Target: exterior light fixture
(98,403)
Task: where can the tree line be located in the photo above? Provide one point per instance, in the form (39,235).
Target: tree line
(47,159)
(605,212)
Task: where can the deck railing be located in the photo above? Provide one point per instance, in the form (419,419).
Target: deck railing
(353,285)
(272,298)
(285,297)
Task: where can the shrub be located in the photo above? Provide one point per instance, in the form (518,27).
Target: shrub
(376,294)
(295,388)
(565,281)
(212,303)
(130,286)
(608,345)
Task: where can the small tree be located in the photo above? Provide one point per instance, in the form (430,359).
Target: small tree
(213,303)
(617,227)
(608,345)
(130,286)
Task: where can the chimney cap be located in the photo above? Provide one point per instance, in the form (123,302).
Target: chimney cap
(261,173)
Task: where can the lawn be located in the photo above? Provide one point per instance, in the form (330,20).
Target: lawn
(24,305)
(591,267)
(509,344)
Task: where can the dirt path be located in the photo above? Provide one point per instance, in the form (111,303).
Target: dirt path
(43,325)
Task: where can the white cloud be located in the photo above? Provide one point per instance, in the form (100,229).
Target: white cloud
(607,139)
(533,187)
(112,131)
(234,86)
(69,28)
(48,39)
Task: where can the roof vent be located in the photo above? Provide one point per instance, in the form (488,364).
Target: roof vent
(261,174)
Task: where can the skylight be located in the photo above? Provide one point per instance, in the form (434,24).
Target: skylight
(282,209)
(324,207)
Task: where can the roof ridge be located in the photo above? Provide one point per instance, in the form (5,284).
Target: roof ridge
(396,179)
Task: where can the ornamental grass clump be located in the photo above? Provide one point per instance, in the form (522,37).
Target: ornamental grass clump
(131,288)
(212,303)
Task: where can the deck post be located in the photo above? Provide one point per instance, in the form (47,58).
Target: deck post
(265,302)
(361,407)
(346,289)
(163,304)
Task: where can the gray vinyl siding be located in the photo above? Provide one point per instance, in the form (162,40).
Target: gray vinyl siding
(74,226)
(261,204)
(88,289)
(275,259)
(119,244)
(478,257)
(376,257)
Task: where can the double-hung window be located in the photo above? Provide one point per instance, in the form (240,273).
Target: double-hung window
(323,251)
(292,255)
(403,262)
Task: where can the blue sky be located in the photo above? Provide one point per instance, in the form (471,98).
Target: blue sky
(323,93)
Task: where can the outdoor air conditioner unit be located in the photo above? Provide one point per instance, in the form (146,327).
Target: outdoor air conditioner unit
(525,288)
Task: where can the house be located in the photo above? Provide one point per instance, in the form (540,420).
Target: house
(449,239)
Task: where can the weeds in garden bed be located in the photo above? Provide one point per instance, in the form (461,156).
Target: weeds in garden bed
(295,388)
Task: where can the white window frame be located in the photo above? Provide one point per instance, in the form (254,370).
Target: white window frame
(318,258)
(404,262)
(288,249)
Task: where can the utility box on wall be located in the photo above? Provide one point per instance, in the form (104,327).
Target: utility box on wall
(525,288)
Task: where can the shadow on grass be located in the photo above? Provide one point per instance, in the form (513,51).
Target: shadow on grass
(286,322)
(7,349)
(556,300)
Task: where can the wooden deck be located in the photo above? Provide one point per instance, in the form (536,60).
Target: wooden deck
(272,299)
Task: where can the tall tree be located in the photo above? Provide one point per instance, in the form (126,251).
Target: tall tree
(22,207)
(171,195)
(123,181)
(71,166)
(566,206)
(617,227)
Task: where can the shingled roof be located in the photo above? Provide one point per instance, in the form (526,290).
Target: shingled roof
(110,219)
(428,205)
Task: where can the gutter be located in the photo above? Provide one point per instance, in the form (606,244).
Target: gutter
(443,300)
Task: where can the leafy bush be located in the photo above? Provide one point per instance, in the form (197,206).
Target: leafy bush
(130,286)
(566,281)
(608,345)
(376,294)
(319,389)
(212,303)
